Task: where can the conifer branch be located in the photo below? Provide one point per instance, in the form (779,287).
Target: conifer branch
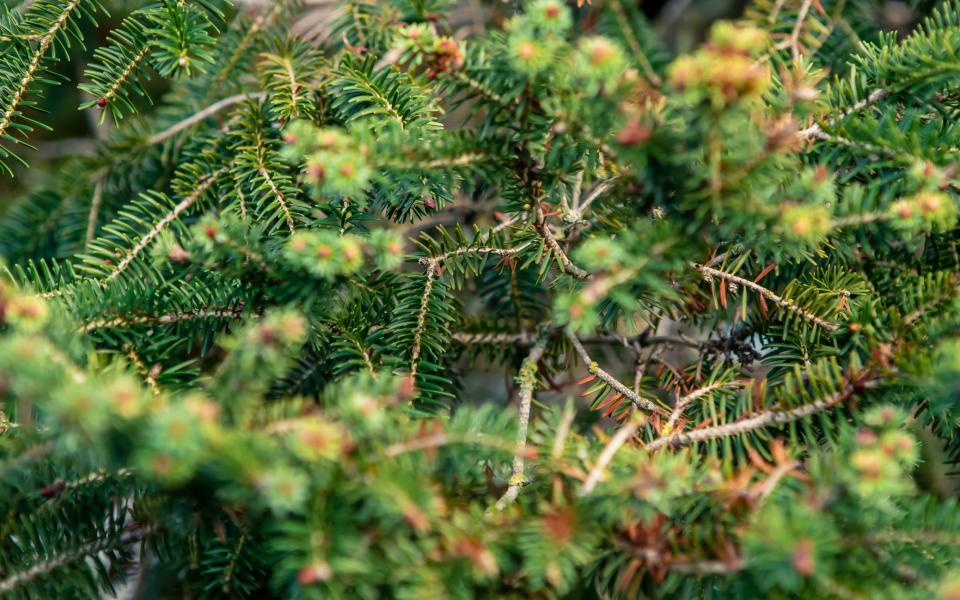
(278,194)
(162,224)
(234,556)
(594,369)
(483,90)
(97,476)
(437,261)
(148,374)
(873,97)
(769,295)
(221,363)
(6,120)
(262,19)
(434,264)
(758,421)
(92,548)
(422,318)
(365,353)
(624,23)
(682,403)
(523,339)
(566,265)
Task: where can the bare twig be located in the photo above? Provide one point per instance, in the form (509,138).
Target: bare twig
(528,381)
(770,483)
(94,210)
(798,27)
(201,115)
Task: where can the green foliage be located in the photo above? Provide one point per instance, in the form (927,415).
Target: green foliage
(256,342)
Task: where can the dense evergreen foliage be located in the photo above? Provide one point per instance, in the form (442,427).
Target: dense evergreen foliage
(241,338)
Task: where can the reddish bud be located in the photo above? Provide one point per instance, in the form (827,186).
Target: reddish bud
(803,559)
(634,133)
(53,489)
(311,574)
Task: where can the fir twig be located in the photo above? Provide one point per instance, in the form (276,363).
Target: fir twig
(769,295)
(566,265)
(162,224)
(758,421)
(7,118)
(594,369)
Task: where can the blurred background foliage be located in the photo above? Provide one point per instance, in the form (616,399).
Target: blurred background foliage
(681,25)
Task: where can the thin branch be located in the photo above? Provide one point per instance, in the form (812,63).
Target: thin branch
(438,440)
(434,264)
(596,192)
(136,60)
(294,87)
(656,558)
(798,27)
(512,339)
(770,484)
(281,198)
(528,381)
(438,260)
(201,115)
(61,487)
(228,572)
(759,421)
(148,375)
(422,319)
(94,210)
(769,295)
(484,91)
(165,319)
(685,401)
(815,130)
(162,224)
(854,220)
(92,548)
(251,33)
(566,265)
(594,368)
(623,21)
(6,120)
